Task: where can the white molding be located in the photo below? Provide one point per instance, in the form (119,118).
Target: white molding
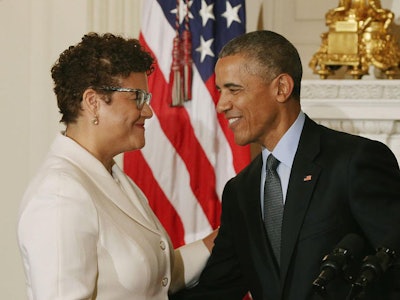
(369,108)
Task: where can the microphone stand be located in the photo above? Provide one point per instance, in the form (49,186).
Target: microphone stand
(356,292)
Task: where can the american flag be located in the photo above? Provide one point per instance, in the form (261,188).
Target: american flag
(190,153)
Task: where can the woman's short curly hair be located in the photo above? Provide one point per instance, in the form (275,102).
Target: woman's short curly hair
(98,60)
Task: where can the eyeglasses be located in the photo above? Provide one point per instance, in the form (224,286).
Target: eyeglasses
(142,96)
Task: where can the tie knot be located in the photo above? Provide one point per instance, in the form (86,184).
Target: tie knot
(272,163)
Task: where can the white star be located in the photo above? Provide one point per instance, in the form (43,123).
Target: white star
(205,48)
(182,10)
(206,12)
(231,14)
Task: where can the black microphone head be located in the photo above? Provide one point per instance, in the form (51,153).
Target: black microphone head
(337,261)
(350,247)
(374,266)
(391,243)
(352,243)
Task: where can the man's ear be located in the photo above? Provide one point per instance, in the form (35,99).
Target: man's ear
(285,87)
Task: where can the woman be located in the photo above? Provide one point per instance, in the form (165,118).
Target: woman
(85,229)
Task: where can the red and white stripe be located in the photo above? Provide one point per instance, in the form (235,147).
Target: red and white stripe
(189,153)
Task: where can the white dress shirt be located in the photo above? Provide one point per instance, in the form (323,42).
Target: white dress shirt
(284,151)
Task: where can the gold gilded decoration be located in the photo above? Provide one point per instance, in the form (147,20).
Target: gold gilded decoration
(358,37)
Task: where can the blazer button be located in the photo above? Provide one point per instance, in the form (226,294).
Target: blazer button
(164,281)
(162,245)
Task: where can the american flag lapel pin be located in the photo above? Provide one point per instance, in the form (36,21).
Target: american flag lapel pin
(307,178)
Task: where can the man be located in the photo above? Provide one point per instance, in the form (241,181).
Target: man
(331,183)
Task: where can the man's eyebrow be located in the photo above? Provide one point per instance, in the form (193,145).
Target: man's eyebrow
(231,85)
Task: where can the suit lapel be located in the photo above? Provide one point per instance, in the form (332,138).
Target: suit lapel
(123,196)
(303,177)
(261,252)
(102,182)
(136,196)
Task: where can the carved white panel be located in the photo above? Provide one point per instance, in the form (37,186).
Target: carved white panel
(369,108)
(351,89)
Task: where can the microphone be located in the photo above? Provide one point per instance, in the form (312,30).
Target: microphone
(337,261)
(372,268)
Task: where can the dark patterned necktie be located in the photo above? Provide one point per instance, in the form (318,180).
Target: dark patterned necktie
(273,205)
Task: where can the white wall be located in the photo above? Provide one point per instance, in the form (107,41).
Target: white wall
(33,33)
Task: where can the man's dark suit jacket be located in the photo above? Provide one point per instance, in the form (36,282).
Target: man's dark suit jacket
(339,184)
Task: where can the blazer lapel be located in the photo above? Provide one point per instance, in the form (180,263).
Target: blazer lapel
(136,197)
(303,177)
(103,183)
(124,197)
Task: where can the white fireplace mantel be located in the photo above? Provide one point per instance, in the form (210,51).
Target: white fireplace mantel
(370,108)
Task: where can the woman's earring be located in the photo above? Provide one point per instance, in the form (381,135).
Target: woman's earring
(95,120)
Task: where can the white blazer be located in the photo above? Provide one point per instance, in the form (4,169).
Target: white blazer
(84,234)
